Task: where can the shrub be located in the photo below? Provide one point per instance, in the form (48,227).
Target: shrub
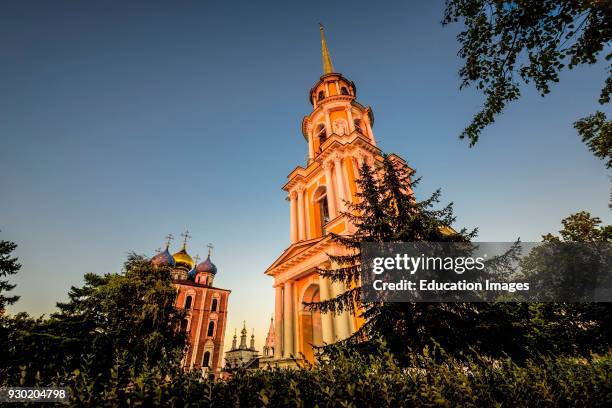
(351,379)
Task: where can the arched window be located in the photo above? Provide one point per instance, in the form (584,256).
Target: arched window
(184,324)
(321,96)
(358,126)
(206,359)
(188,301)
(321,134)
(320,198)
(211,329)
(344,91)
(213,306)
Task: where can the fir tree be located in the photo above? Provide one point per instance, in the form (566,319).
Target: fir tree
(388,211)
(8,266)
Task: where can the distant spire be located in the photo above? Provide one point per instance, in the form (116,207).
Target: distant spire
(243,337)
(252,345)
(196,259)
(328,68)
(270,341)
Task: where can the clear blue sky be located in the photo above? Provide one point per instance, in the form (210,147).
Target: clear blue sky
(120,123)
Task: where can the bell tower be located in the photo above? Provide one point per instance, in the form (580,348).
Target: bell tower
(335,109)
(339,138)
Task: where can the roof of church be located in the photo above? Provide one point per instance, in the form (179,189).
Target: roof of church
(164,258)
(206,266)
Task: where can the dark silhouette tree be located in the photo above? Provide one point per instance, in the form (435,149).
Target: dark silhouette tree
(387,211)
(9,265)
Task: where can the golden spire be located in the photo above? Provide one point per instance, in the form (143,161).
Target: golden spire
(328,68)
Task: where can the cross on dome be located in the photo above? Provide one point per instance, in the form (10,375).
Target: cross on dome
(169,239)
(210,248)
(186,237)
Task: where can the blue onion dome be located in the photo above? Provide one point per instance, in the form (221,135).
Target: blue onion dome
(163,258)
(191,274)
(206,266)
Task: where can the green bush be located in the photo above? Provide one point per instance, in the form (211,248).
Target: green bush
(349,379)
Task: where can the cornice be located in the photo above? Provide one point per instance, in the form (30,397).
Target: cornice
(300,256)
(334,144)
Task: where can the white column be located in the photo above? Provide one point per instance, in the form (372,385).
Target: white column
(345,173)
(310,146)
(328,127)
(331,191)
(293,216)
(340,182)
(306,215)
(349,116)
(357,173)
(278,321)
(369,127)
(296,323)
(300,214)
(327,325)
(288,319)
(342,328)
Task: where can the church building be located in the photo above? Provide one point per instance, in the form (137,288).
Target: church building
(243,355)
(339,137)
(205,304)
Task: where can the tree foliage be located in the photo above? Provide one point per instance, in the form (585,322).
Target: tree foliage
(573,327)
(596,133)
(128,318)
(582,227)
(506,43)
(387,211)
(370,380)
(9,265)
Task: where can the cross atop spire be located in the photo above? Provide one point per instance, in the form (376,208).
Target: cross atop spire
(328,68)
(210,248)
(169,239)
(185,236)
(196,259)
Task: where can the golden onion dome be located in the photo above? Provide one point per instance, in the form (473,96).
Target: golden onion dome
(183,260)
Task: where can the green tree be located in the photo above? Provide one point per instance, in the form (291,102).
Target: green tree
(508,42)
(387,211)
(8,266)
(570,269)
(581,227)
(116,325)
